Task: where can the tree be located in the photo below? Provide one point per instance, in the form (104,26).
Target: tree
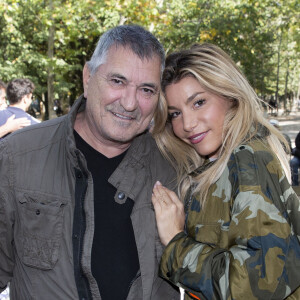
(49,41)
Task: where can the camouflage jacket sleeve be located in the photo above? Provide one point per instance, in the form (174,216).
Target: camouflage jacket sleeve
(248,247)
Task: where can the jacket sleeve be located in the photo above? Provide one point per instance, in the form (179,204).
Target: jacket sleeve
(263,254)
(297,140)
(296,152)
(6,219)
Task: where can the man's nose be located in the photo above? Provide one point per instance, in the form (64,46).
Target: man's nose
(129,99)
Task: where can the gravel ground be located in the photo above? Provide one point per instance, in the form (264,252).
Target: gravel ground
(289,124)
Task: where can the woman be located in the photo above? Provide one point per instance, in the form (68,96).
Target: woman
(238,236)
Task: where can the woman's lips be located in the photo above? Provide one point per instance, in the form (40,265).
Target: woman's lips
(197,138)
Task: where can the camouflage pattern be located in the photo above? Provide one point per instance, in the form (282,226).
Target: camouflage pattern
(244,243)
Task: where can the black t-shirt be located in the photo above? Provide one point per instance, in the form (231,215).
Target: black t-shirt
(114,254)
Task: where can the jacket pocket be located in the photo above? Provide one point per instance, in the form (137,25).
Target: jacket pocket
(41,222)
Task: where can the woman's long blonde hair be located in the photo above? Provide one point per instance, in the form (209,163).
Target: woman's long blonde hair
(218,74)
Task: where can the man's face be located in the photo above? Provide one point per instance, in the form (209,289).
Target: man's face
(121,95)
(2,96)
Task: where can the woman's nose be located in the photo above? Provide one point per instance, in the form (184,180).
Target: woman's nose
(189,123)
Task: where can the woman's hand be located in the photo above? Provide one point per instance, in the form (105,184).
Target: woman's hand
(169,212)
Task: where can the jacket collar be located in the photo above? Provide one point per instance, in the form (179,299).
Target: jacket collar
(132,171)
(78,106)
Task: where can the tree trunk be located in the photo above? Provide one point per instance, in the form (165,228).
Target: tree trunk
(277,79)
(298,91)
(286,85)
(50,52)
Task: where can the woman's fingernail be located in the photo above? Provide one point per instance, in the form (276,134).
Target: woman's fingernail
(157,183)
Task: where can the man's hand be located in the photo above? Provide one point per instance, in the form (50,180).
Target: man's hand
(169,212)
(15,124)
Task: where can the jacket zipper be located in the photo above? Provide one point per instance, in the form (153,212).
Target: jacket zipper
(84,291)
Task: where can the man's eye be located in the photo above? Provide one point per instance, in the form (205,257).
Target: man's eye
(116,81)
(148,91)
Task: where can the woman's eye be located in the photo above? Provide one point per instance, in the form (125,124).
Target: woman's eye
(173,115)
(199,102)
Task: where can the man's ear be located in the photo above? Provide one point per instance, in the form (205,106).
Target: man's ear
(24,101)
(86,75)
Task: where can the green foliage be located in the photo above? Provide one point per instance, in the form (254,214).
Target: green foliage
(249,30)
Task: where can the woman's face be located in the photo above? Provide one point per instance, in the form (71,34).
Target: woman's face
(197,116)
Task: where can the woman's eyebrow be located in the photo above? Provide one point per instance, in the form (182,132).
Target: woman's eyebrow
(192,97)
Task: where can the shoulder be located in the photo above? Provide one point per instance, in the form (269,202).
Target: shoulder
(35,136)
(258,174)
(256,151)
(4,112)
(144,146)
(145,152)
(32,119)
(253,162)
(297,140)
(4,115)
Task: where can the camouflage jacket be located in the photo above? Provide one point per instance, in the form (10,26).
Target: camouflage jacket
(244,243)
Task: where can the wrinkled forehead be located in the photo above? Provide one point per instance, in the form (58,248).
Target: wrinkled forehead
(123,62)
(123,51)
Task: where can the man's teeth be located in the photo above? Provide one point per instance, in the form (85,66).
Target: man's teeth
(123,117)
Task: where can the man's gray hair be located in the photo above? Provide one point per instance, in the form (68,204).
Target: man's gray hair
(143,43)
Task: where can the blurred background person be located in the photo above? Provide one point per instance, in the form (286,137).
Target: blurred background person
(3,104)
(295,161)
(19,94)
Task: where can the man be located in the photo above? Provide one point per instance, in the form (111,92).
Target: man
(2,95)
(9,123)
(75,192)
(19,94)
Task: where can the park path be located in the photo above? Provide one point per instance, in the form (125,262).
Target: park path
(290,125)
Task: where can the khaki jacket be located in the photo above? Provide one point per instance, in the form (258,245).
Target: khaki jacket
(41,174)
